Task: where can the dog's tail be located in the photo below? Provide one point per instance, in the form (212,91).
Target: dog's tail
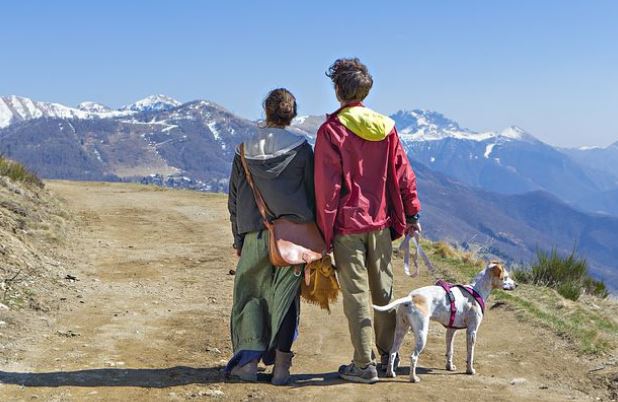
(392,305)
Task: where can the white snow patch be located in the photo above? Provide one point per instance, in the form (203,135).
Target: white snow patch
(5,114)
(212,127)
(512,132)
(98,155)
(299,120)
(153,103)
(169,127)
(428,134)
(488,149)
(93,107)
(164,142)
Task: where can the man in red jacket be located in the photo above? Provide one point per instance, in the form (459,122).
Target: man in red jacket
(365,198)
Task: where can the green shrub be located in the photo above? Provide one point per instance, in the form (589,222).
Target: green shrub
(570,290)
(17,172)
(521,275)
(552,270)
(567,274)
(595,288)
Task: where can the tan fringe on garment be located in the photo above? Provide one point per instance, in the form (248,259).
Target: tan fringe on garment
(320,286)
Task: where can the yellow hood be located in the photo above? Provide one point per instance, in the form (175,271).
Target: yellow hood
(365,123)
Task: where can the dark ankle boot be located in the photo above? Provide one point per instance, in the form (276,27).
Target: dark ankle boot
(281,372)
(248,372)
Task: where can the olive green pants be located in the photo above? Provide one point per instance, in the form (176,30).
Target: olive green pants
(364,269)
(263,295)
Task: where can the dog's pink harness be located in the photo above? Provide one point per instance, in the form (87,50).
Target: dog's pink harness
(451,298)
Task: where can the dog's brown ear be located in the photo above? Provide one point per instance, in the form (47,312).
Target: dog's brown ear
(496,269)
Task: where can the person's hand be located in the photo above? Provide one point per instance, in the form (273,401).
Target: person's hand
(413,227)
(237,250)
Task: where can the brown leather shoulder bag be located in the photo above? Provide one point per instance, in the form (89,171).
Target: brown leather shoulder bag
(290,243)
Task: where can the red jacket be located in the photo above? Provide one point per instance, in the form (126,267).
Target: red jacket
(363,180)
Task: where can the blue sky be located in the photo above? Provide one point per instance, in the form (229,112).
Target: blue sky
(550,67)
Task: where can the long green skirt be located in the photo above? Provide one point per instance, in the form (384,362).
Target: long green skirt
(263,295)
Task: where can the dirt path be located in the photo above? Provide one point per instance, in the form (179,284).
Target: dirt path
(150,322)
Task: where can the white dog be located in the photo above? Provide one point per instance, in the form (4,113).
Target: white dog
(456,308)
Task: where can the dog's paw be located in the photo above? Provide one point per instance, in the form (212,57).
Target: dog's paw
(415,378)
(451,367)
(470,371)
(390,373)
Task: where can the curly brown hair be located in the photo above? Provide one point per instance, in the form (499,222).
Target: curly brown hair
(279,107)
(351,79)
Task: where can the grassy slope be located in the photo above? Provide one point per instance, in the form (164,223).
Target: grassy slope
(590,324)
(33,227)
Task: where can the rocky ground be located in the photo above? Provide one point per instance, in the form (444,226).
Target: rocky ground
(141,314)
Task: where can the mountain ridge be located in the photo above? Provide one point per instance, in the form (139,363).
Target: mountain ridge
(191,145)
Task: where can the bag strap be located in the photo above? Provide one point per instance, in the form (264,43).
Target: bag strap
(259,200)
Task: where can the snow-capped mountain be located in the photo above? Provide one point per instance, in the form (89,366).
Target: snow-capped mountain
(153,103)
(603,161)
(600,158)
(17,109)
(309,124)
(14,109)
(154,140)
(93,107)
(510,161)
(424,125)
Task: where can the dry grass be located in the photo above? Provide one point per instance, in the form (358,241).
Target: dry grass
(448,252)
(18,173)
(589,324)
(444,250)
(33,229)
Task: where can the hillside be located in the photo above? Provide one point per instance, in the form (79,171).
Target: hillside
(511,161)
(514,227)
(604,160)
(193,142)
(33,233)
(151,321)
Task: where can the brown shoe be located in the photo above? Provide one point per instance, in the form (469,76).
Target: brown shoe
(281,372)
(248,372)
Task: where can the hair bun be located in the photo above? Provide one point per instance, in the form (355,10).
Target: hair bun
(280,107)
(286,107)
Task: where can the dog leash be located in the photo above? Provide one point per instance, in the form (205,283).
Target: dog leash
(405,246)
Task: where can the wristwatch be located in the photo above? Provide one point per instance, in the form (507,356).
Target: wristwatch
(414,218)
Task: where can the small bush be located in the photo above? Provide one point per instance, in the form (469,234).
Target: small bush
(570,290)
(522,275)
(595,288)
(568,275)
(17,172)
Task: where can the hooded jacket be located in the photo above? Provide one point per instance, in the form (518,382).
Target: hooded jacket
(281,164)
(363,179)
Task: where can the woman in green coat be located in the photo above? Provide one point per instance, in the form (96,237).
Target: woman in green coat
(265,311)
